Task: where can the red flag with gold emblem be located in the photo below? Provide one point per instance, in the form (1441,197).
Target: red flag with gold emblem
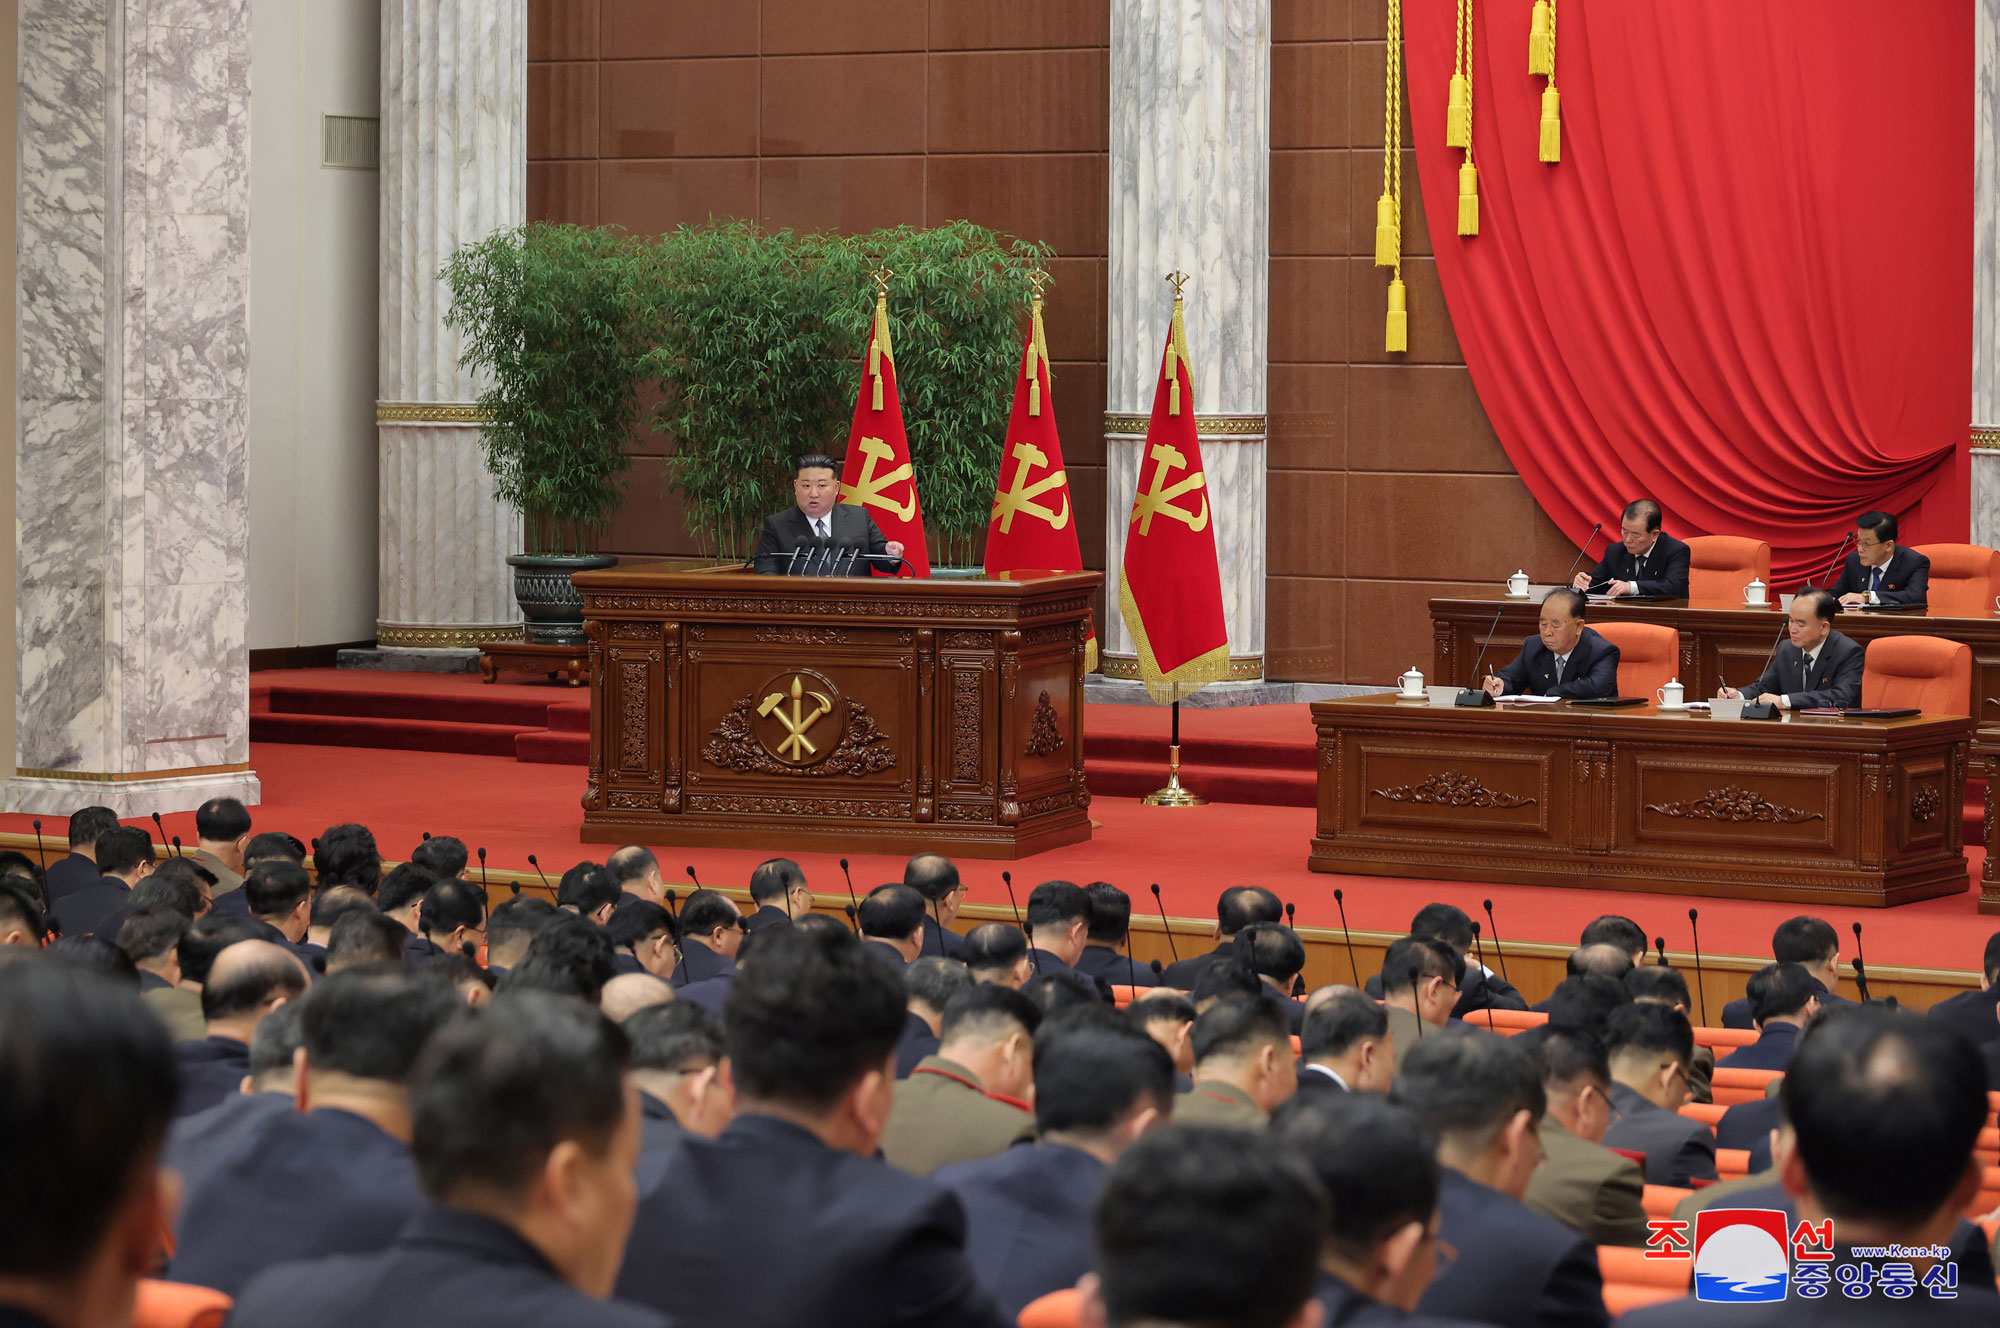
(1170,590)
(878,476)
(1033,527)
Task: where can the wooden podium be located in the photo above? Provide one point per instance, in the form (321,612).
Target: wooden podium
(867,713)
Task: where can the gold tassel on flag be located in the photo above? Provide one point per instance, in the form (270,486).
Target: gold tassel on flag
(878,341)
(1038,346)
(1552,141)
(1388,243)
(1176,347)
(1468,199)
(1539,59)
(1458,109)
(1389,208)
(1398,338)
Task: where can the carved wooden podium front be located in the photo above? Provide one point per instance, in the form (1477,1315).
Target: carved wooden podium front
(870,714)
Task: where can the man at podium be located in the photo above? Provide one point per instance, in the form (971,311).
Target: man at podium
(1645,560)
(821,536)
(1566,659)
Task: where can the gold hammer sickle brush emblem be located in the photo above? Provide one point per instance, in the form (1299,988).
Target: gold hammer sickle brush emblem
(796,746)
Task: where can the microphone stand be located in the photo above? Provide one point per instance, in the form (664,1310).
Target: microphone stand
(1769,709)
(1475,695)
(1594,532)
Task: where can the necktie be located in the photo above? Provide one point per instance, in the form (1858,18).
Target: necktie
(1805,673)
(1874,580)
(1561,660)
(819,527)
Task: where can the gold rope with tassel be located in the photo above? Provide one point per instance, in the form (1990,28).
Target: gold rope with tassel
(1176,347)
(1399,317)
(1468,177)
(1038,346)
(1540,58)
(1552,141)
(878,343)
(1389,208)
(1458,110)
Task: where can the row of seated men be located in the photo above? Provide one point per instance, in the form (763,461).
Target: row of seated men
(867,1134)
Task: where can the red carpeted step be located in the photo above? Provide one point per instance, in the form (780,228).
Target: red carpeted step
(1217,783)
(411,704)
(1259,753)
(399,734)
(552,747)
(570,717)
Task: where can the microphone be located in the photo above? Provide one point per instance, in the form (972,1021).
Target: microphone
(1475,695)
(1494,927)
(693,877)
(177,847)
(1353,969)
(427,835)
(672,899)
(1417,1005)
(1769,709)
(1131,976)
(791,564)
(1660,946)
(1700,995)
(42,857)
(1174,949)
(1159,971)
(1480,955)
(853,904)
(937,919)
(1007,878)
(1860,968)
(539,872)
(1595,530)
(482,866)
(162,826)
(853,924)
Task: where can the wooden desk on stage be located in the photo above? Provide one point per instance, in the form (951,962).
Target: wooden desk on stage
(1808,811)
(877,715)
(1723,637)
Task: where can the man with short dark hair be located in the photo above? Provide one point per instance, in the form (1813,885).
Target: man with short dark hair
(511,927)
(247,981)
(711,931)
(347,855)
(997,952)
(1168,1018)
(1644,560)
(1346,1047)
(1565,659)
(932,983)
(151,940)
(820,534)
(811,1029)
(1243,1064)
(642,933)
(452,920)
(970,1100)
(1658,984)
(569,957)
(1616,929)
(1276,955)
(443,856)
(891,919)
(1813,945)
(1058,924)
(1581,1183)
(1783,999)
(78,867)
(222,832)
(1975,1015)
(359,939)
(270,844)
(279,896)
(1879,570)
(1108,955)
(181,884)
(1649,1047)
(87,1087)
(334,1178)
(524,1137)
(21,922)
(935,877)
(680,1067)
(1816,667)
(778,888)
(125,857)
(1421,976)
(1482,988)
(1235,908)
(400,894)
(1481,1098)
(1219,1228)
(1097,1091)
(637,874)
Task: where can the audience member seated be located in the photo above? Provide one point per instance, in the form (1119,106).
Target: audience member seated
(680,1066)
(891,921)
(1235,909)
(473,984)
(443,856)
(222,832)
(1228,978)
(87,1086)
(969,1100)
(1346,1046)
(524,1138)
(1420,977)
(452,920)
(277,844)
(510,927)
(334,1178)
(1107,956)
(1975,1015)
(778,888)
(125,857)
(21,921)
(180,1008)
(1275,954)
(181,884)
(642,933)
(279,896)
(400,894)
(1483,988)
(1168,1018)
(1600,960)
(932,983)
(246,981)
(1657,984)
(1027,1210)
(1381,1247)
(1058,925)
(1585,1002)
(569,957)
(1649,1046)
(330,906)
(1244,1067)
(1783,997)
(359,939)
(1580,1183)
(1481,1098)
(1619,930)
(811,1032)
(997,952)
(588,891)
(343,855)
(711,931)
(935,877)
(152,940)
(78,868)
(629,993)
(195,1142)
(636,872)
(97,955)
(1813,945)
(1052,992)
(1216,1228)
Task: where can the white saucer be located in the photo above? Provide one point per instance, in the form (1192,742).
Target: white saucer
(1670,709)
(1748,605)
(1511,595)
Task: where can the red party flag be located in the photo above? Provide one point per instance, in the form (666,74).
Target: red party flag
(878,473)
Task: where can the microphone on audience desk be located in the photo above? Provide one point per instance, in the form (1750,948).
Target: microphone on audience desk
(1159,971)
(42,856)
(673,899)
(177,847)
(1007,879)
(1860,967)
(162,827)
(1475,695)
(1769,709)
(1478,950)
(482,866)
(1353,969)
(853,924)
(539,872)
(1131,974)
(1494,927)
(427,835)
(1660,946)
(1700,996)
(1175,950)
(693,877)
(853,904)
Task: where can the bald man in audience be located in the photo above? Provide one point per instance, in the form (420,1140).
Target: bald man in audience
(637,873)
(1235,908)
(1244,1068)
(247,981)
(997,952)
(711,933)
(629,993)
(778,888)
(970,1100)
(935,877)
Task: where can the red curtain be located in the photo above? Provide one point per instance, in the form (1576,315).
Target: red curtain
(1746,289)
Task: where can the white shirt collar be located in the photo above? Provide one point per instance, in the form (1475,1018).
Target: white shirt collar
(1329,1072)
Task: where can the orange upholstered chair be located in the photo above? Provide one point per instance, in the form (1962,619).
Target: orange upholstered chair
(1058,1309)
(178,1305)
(1659,1200)
(1719,566)
(1649,656)
(1964,579)
(1928,672)
(1506,1022)
(1730,1086)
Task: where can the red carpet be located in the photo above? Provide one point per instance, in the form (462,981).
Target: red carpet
(515,809)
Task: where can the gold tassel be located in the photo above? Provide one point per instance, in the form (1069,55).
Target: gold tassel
(1398,338)
(1540,59)
(1458,115)
(1035,394)
(1174,395)
(1388,242)
(1552,129)
(877,402)
(1468,200)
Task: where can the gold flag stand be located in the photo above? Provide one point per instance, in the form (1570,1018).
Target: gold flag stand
(1173,795)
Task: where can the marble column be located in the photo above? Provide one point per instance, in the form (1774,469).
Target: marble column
(1190,190)
(132,300)
(1986,278)
(454,170)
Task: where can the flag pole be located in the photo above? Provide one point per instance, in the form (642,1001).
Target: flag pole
(1173,795)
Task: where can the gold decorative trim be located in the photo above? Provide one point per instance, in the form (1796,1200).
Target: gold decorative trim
(97,777)
(445,638)
(1205,426)
(1986,436)
(1125,668)
(428,412)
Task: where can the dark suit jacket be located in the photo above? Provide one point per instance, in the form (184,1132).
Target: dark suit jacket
(1836,675)
(941,941)
(1906,580)
(1771,1051)
(840,1239)
(443,1267)
(100,906)
(1972,1013)
(660,1133)
(1482,991)
(69,874)
(888,956)
(1108,965)
(196,1143)
(1677,1149)
(296,1187)
(1592,671)
(917,1042)
(1027,1219)
(1182,974)
(1515,1267)
(1749,1125)
(1041,961)
(210,1071)
(785,531)
(1661,571)
(1990,1052)
(709,993)
(699,963)
(1347,1308)
(1736,1014)
(768,915)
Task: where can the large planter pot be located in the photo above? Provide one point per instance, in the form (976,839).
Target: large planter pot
(552,607)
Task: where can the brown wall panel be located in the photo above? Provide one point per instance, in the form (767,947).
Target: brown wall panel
(1074,316)
(969,25)
(1078,387)
(831,27)
(840,104)
(562,30)
(1392,628)
(646,197)
(1307,414)
(1309,300)
(1311,540)
(1309,80)
(662,29)
(563,191)
(1305,619)
(1419,417)
(1057,199)
(1020,101)
(679,108)
(846,194)
(562,110)
(1310,208)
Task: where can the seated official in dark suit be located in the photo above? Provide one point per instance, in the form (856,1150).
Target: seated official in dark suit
(1420,979)
(1168,1018)
(1817,667)
(510,929)
(970,1099)
(1976,1014)
(1210,1227)
(1748,1126)
(1483,989)
(1881,571)
(932,983)
(1108,955)
(279,894)
(1235,908)
(1481,1098)
(1644,561)
(124,857)
(1277,956)
(678,1066)
(1813,945)
(87,1078)
(997,952)
(1580,1183)
(1657,984)
(1027,1210)
(1650,1046)
(1244,1066)
(335,1178)
(247,981)
(821,536)
(194,1142)
(1381,1248)
(840,1235)
(935,877)
(778,888)
(1346,1046)
(78,868)
(1567,659)
(524,1139)
(1058,922)
(1783,999)
(642,933)
(1885,1111)
(711,930)
(891,921)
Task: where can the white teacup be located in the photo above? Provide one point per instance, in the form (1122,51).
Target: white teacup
(1517,584)
(1672,694)
(1755,592)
